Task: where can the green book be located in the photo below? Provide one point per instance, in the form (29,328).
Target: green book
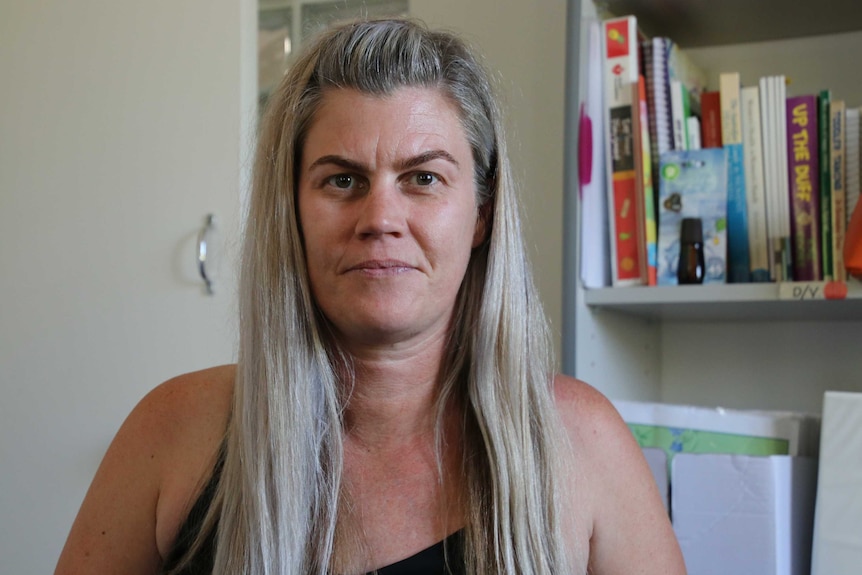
(823,123)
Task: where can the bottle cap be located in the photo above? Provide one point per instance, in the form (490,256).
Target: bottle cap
(692,231)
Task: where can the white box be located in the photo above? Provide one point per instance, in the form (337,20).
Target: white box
(744,515)
(690,429)
(838,524)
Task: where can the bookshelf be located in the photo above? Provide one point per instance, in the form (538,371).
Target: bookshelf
(740,302)
(744,345)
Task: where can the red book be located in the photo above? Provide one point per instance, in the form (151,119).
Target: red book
(710,119)
(624,221)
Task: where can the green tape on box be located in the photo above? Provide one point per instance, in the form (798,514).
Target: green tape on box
(676,440)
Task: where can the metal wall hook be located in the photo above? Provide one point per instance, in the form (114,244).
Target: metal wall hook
(204,237)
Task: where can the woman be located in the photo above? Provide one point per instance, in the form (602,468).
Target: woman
(393,396)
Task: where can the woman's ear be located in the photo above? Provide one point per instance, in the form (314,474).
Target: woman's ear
(483,217)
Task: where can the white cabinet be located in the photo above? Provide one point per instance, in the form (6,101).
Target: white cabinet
(734,345)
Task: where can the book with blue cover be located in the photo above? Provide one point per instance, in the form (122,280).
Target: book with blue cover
(693,184)
(737,215)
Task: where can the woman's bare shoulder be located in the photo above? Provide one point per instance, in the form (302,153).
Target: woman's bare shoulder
(185,416)
(629,527)
(585,411)
(152,468)
(194,402)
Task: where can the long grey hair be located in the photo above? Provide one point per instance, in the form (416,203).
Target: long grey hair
(277,503)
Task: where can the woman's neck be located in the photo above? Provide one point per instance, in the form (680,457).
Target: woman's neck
(394,395)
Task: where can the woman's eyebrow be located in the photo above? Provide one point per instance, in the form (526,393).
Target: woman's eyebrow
(339,161)
(405,164)
(424,157)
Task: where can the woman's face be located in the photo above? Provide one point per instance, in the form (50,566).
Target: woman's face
(387,205)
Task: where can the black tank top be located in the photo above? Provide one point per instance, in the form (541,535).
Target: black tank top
(430,561)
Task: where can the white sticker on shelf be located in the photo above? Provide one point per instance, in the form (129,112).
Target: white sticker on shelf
(812,290)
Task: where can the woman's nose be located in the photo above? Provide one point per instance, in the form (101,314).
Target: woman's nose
(382,211)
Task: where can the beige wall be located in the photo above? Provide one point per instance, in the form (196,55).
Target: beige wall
(524,44)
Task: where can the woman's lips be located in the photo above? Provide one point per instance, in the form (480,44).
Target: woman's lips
(381,267)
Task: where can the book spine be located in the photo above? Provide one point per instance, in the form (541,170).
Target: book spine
(851,154)
(754,184)
(661,47)
(769,178)
(595,260)
(779,104)
(648,70)
(643,158)
(710,120)
(678,115)
(658,98)
(621,70)
(692,125)
(803,174)
(824,117)
(681,67)
(839,216)
(737,223)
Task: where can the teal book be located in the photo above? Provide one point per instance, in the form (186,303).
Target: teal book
(737,216)
(693,184)
(738,256)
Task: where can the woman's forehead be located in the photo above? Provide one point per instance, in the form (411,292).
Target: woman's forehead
(404,119)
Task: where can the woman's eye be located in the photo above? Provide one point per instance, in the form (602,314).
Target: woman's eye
(424,179)
(341,181)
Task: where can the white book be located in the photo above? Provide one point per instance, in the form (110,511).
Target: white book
(678,115)
(780,103)
(770,178)
(595,256)
(754,183)
(852,160)
(692,124)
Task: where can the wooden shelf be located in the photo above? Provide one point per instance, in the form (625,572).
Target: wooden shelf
(697,23)
(741,302)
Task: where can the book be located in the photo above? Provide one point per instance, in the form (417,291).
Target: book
(693,184)
(755,193)
(595,253)
(778,105)
(679,107)
(839,216)
(853,243)
(692,128)
(620,71)
(655,58)
(770,180)
(804,193)
(665,61)
(710,120)
(824,117)
(682,68)
(853,184)
(737,223)
(643,171)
